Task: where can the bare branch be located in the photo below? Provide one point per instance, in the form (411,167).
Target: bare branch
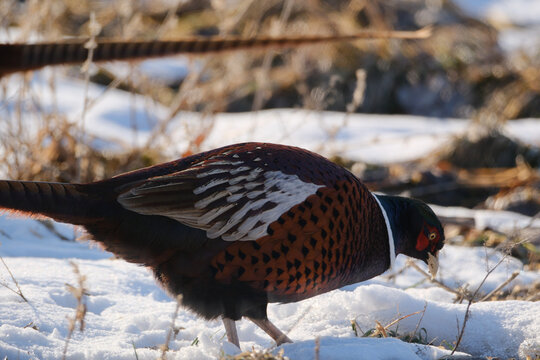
(18,291)
(172,329)
(467,310)
(459,293)
(506,282)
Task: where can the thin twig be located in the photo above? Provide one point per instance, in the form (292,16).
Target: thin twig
(18,291)
(403,318)
(165,346)
(421,318)
(80,312)
(506,282)
(467,310)
(91,44)
(460,294)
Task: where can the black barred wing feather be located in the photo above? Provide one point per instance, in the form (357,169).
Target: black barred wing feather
(226,198)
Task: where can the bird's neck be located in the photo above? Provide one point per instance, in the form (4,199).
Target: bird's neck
(394,208)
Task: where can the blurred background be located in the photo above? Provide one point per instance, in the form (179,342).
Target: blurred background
(453,119)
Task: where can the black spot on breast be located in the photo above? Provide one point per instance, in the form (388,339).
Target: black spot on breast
(241,271)
(289,265)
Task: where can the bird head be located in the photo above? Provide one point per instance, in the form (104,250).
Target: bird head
(425,234)
(417,231)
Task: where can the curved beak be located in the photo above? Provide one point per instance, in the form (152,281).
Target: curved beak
(433,264)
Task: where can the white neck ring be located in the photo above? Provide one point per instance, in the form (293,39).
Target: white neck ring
(390,234)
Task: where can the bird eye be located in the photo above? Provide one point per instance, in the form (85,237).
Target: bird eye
(432,236)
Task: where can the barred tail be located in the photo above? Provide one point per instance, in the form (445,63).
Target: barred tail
(62,202)
(22,57)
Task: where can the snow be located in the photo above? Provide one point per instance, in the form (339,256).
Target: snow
(117,120)
(519,22)
(518,12)
(168,70)
(127,310)
(503,221)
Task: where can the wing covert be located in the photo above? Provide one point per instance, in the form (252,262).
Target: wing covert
(226,198)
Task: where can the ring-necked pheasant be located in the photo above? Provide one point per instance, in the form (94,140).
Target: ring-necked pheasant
(237,227)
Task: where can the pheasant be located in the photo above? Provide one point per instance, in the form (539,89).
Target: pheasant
(238,227)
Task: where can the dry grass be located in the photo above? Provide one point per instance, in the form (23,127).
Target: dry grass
(338,77)
(78,292)
(17,289)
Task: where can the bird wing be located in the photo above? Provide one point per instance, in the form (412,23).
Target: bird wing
(227,198)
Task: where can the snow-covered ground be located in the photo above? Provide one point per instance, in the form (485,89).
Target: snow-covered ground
(128,312)
(517,12)
(518,20)
(119,120)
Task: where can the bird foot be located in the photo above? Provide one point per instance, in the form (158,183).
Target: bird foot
(230,329)
(269,328)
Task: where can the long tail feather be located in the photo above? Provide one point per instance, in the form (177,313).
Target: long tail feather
(62,202)
(22,57)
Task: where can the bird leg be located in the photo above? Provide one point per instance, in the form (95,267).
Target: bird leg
(230,329)
(272,330)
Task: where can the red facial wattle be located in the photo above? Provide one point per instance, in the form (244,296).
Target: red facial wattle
(429,236)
